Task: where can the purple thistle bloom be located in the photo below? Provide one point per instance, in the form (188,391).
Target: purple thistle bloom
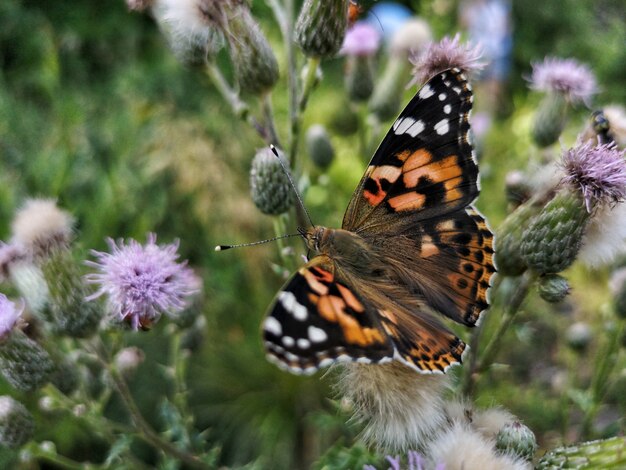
(362,39)
(566,76)
(599,172)
(142,281)
(444,55)
(9,313)
(394,462)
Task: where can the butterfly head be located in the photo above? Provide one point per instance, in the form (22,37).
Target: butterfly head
(315,237)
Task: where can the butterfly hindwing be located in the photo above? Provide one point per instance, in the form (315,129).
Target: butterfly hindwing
(316,320)
(425,162)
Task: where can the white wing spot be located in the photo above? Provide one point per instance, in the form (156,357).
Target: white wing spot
(426,92)
(442,127)
(288,341)
(291,304)
(271,325)
(317,335)
(457,90)
(442,96)
(303,343)
(416,128)
(447,108)
(403,125)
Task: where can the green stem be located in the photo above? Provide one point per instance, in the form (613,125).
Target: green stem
(296,122)
(179,361)
(510,311)
(39,453)
(268,115)
(280,14)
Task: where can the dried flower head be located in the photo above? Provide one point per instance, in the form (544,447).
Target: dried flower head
(443,55)
(605,237)
(10,253)
(40,226)
(362,39)
(9,313)
(598,171)
(564,76)
(142,281)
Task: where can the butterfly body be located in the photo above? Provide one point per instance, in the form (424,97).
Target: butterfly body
(411,249)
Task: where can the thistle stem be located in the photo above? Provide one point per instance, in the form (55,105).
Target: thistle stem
(268,115)
(40,453)
(296,122)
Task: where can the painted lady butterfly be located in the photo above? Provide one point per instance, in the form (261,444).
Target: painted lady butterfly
(410,245)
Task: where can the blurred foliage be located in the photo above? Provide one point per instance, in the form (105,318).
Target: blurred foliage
(95,111)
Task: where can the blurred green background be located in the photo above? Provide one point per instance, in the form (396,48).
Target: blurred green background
(96,112)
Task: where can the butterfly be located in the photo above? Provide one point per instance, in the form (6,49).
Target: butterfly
(410,250)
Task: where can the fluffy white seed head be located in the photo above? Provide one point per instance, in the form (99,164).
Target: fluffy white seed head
(605,237)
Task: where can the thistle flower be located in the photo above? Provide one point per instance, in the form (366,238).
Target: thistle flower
(191,27)
(40,226)
(23,363)
(269,185)
(142,282)
(362,39)
(321,27)
(566,77)
(16,423)
(400,409)
(414,462)
(599,172)
(411,39)
(443,55)
(360,45)
(10,253)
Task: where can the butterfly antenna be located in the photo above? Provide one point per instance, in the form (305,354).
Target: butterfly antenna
(293,186)
(228,247)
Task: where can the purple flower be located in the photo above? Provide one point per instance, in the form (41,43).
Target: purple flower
(362,39)
(566,76)
(599,172)
(142,281)
(444,55)
(9,314)
(394,462)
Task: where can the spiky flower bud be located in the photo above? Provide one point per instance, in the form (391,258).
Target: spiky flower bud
(23,363)
(319,146)
(618,289)
(16,423)
(321,27)
(553,238)
(269,185)
(509,239)
(578,336)
(254,61)
(70,313)
(607,453)
(550,119)
(446,54)
(40,226)
(517,439)
(553,288)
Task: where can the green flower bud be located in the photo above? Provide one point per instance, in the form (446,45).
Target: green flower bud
(269,185)
(607,453)
(321,27)
(550,119)
(359,78)
(342,119)
(319,146)
(254,61)
(16,423)
(553,288)
(517,439)
(578,336)
(509,239)
(23,363)
(551,242)
(387,96)
(71,314)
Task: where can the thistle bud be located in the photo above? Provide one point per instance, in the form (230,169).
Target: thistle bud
(553,288)
(254,61)
(319,146)
(553,238)
(360,45)
(550,119)
(578,336)
(16,423)
(321,27)
(517,439)
(23,363)
(269,185)
(343,120)
(607,453)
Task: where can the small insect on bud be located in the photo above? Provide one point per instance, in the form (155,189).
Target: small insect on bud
(517,439)
(321,27)
(269,184)
(16,423)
